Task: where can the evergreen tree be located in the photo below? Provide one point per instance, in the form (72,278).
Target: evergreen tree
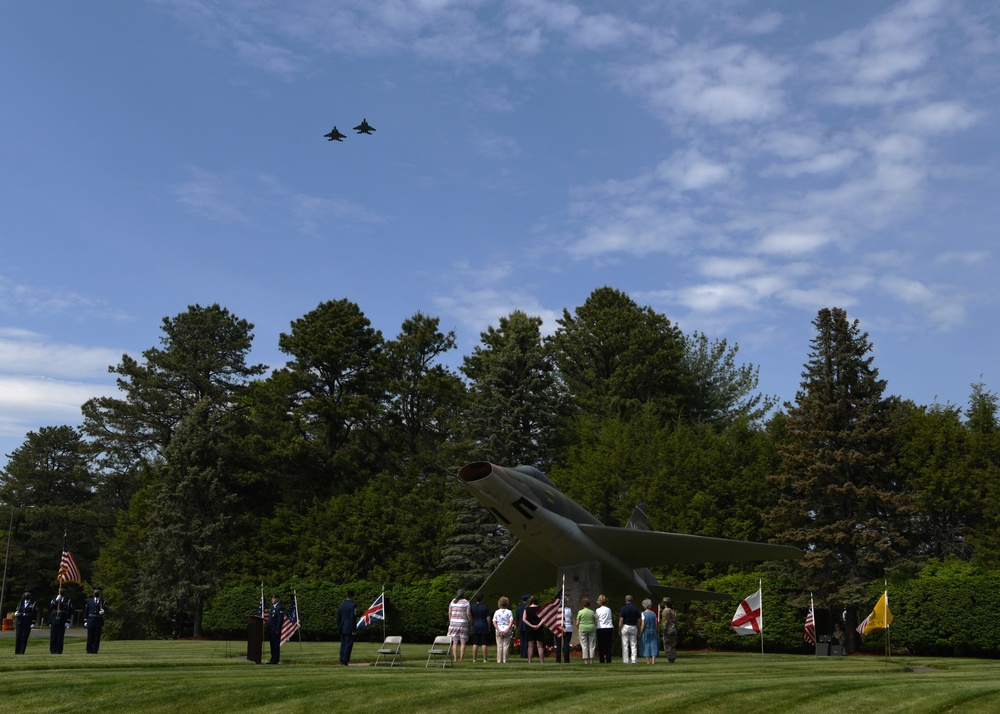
(615,357)
(721,391)
(841,498)
(47,487)
(203,356)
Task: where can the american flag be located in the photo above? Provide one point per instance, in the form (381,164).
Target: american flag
(375,612)
(864,623)
(810,628)
(68,572)
(551,616)
(292,622)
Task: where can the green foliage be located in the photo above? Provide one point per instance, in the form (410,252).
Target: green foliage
(709,623)
(949,608)
(418,611)
(842,498)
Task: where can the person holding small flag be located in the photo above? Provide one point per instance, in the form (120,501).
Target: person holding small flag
(347,624)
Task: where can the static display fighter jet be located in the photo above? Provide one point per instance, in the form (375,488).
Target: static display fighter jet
(364,127)
(335,135)
(558,538)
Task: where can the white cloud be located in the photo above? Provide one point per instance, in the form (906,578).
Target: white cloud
(939,118)
(690,171)
(791,242)
(23,352)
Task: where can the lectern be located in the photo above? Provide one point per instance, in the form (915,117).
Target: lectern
(255,637)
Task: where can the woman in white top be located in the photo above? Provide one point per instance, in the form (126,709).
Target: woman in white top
(503,625)
(605,629)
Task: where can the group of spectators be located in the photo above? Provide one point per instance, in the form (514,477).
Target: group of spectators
(639,630)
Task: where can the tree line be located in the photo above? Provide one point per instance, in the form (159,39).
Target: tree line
(206,470)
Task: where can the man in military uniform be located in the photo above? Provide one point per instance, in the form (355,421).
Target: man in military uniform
(60,613)
(24,620)
(275,621)
(93,619)
(668,623)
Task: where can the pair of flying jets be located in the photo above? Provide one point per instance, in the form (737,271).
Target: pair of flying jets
(363,128)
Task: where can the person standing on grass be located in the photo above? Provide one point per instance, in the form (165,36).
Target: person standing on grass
(93,619)
(275,621)
(605,629)
(60,612)
(503,626)
(24,620)
(459,620)
(628,625)
(480,627)
(347,623)
(649,638)
(586,629)
(535,633)
(522,629)
(668,623)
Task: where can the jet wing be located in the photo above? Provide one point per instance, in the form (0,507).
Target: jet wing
(643,549)
(521,571)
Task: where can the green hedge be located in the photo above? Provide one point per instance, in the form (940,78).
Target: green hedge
(946,609)
(418,612)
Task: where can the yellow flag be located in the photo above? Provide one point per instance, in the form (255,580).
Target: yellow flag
(881,616)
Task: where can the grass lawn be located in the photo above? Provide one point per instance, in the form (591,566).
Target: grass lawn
(212,676)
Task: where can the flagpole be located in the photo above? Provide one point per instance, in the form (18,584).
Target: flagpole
(760,586)
(886,616)
(383,612)
(298,616)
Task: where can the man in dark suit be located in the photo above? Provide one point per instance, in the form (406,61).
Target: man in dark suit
(347,623)
(24,620)
(275,621)
(93,619)
(60,612)
(522,628)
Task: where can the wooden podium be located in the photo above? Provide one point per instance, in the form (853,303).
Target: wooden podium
(255,637)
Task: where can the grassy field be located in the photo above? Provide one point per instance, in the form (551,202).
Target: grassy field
(210,676)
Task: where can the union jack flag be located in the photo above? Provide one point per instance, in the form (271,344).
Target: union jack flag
(375,612)
(68,572)
(552,617)
(292,622)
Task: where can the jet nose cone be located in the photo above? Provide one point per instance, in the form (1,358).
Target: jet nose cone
(475,471)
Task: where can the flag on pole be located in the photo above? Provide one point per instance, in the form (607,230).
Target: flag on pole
(881,616)
(551,616)
(292,622)
(810,628)
(262,611)
(748,620)
(375,612)
(68,572)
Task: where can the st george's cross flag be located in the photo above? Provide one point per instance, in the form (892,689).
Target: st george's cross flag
(748,619)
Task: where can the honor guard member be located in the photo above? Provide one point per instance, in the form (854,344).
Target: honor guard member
(24,620)
(60,613)
(93,619)
(275,621)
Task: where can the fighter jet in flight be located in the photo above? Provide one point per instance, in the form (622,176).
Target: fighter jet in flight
(335,135)
(558,538)
(364,127)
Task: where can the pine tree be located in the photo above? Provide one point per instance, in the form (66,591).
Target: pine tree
(841,499)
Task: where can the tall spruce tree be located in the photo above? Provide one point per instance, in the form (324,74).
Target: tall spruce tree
(841,499)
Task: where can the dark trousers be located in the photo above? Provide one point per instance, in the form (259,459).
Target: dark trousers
(274,639)
(94,628)
(346,645)
(524,643)
(57,636)
(22,631)
(604,637)
(562,647)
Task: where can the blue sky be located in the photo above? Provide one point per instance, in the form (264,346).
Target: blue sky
(735,165)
